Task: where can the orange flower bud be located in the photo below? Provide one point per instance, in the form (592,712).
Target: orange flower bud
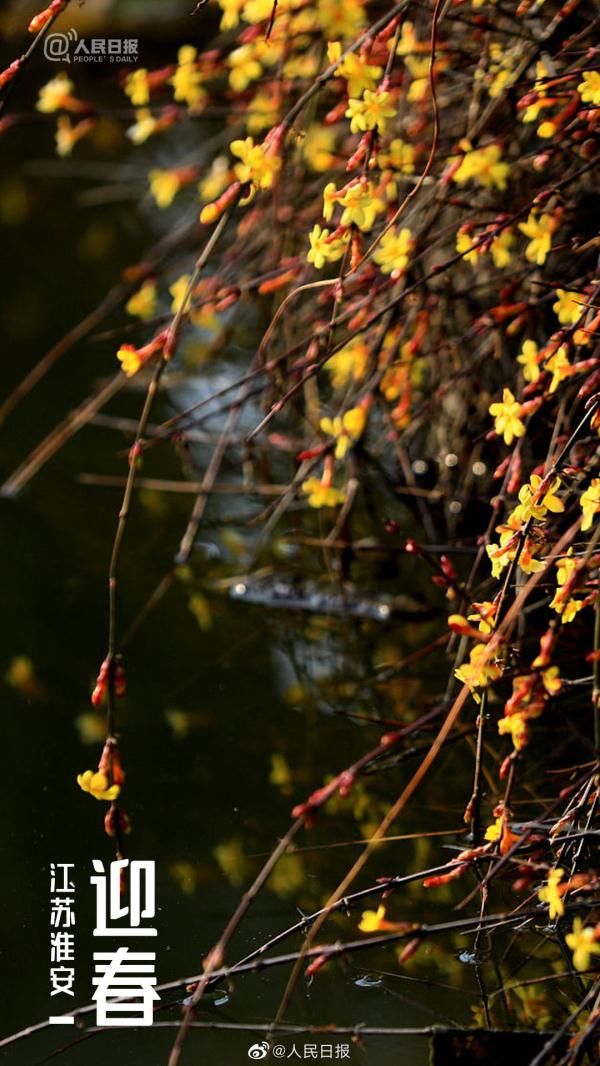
(442,879)
(211,212)
(273,284)
(43,17)
(227,301)
(356,251)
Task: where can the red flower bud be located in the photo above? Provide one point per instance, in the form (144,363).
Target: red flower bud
(116,822)
(316,965)
(8,74)
(409,950)
(99,692)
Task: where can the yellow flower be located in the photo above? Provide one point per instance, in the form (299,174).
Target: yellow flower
(528,358)
(494,831)
(376,921)
(317,148)
(590,504)
(371,112)
(464,245)
(515,725)
(372,921)
(54,94)
(321,494)
(478,672)
(498,561)
(137,87)
(563,603)
(354,421)
(259,10)
(500,831)
(483,165)
(569,307)
(589,88)
(256,164)
(301,65)
(570,610)
(419,86)
(345,430)
(178,290)
(539,229)
(361,205)
(164,186)
(232,860)
(262,112)
(324,248)
(359,74)
(501,554)
(536,505)
(231,13)
(531,113)
(96,783)
(551,895)
(566,568)
(506,415)
(144,126)
(501,248)
(334,427)
(547,129)
(130,359)
(583,944)
(216,180)
(349,364)
(392,253)
(341,18)
(330,199)
(68,134)
(398,156)
(408,42)
(485,616)
(499,82)
(527,563)
(186,80)
(551,680)
(244,67)
(560,367)
(143,302)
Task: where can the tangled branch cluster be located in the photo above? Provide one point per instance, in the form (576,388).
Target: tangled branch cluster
(406,198)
